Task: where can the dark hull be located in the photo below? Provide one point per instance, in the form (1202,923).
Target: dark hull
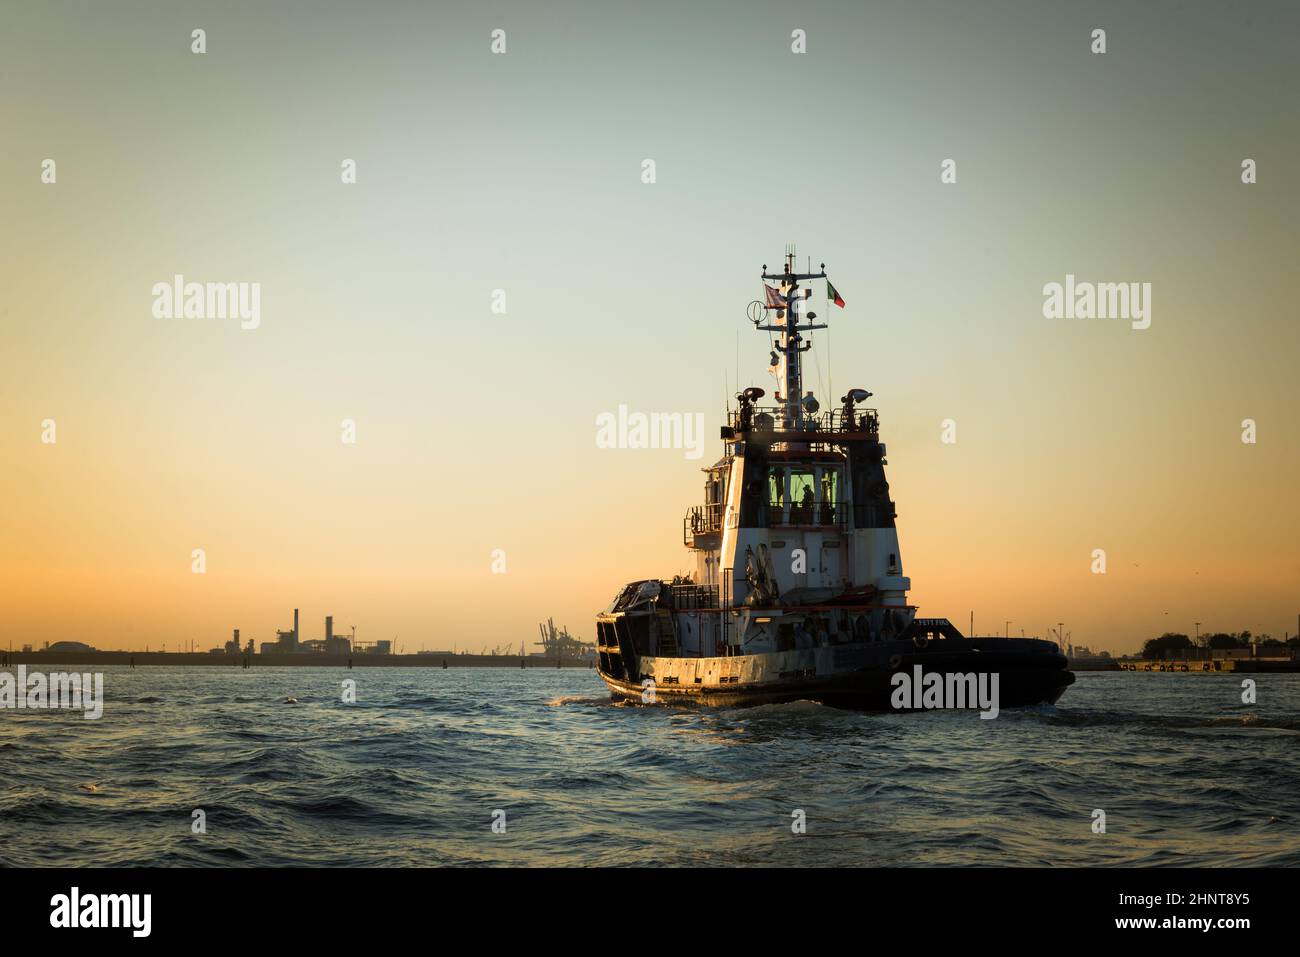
(1024,679)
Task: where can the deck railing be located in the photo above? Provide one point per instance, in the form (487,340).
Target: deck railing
(701,520)
(828,514)
(687,597)
(772,418)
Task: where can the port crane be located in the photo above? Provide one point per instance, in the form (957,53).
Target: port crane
(1062,638)
(558,643)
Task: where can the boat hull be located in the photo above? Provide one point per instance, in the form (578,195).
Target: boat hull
(1029,672)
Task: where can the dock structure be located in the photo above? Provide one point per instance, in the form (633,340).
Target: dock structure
(1211,665)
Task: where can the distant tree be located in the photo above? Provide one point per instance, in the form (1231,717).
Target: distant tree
(1223,640)
(1169,641)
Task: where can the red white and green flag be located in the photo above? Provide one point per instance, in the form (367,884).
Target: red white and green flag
(833,295)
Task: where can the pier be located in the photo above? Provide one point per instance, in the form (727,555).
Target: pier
(1210,665)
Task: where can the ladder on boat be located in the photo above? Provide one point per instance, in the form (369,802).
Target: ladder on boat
(667,644)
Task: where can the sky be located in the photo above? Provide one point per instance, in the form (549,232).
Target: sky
(475,430)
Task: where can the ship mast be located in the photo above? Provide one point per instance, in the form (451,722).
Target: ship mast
(792,346)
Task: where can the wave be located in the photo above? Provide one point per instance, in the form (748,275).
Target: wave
(560,701)
(409,774)
(1087,718)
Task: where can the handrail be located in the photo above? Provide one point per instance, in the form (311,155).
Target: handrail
(701,520)
(819,513)
(688,597)
(772,418)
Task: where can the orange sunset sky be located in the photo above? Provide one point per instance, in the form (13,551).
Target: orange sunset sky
(522,172)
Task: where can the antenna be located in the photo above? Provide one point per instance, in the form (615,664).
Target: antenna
(788,327)
(830,373)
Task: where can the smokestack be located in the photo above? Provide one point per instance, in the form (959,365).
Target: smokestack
(295,629)
(329,629)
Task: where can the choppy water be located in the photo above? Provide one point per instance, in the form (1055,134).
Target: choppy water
(412,772)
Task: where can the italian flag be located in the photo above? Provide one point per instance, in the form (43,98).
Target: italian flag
(833,295)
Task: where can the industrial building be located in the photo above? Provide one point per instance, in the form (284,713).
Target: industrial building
(291,642)
(335,644)
(232,646)
(65,646)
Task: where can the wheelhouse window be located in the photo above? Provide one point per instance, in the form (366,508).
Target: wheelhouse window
(715,487)
(803,494)
(709,517)
(830,497)
(776,489)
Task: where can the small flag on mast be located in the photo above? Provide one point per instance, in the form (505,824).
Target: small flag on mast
(833,295)
(774,300)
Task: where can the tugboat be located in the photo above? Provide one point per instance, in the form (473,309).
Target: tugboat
(799,591)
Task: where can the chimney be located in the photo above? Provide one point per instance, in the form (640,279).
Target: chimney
(295,629)
(329,629)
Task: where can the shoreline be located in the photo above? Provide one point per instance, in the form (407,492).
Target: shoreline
(302,660)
